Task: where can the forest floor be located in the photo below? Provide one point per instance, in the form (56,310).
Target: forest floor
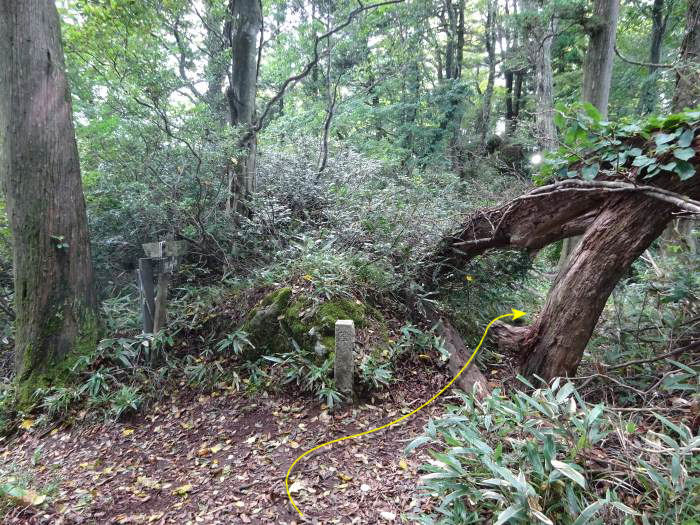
(223,457)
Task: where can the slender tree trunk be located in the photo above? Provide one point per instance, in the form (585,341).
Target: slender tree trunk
(539,46)
(687,94)
(54,293)
(597,76)
(484,118)
(649,96)
(597,67)
(544,117)
(243,30)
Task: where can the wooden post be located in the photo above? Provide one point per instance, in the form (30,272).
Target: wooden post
(161,302)
(145,275)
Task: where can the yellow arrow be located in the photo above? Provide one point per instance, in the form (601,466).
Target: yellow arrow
(515,314)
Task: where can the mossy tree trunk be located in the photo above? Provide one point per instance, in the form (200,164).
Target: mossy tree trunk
(54,293)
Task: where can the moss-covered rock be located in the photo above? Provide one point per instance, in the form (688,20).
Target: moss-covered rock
(278,322)
(265,326)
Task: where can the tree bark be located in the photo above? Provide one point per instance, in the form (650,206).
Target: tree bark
(597,67)
(649,96)
(484,119)
(687,93)
(619,225)
(54,293)
(242,31)
(542,28)
(555,343)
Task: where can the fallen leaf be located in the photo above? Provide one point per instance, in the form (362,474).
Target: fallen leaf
(127,432)
(27,424)
(403,465)
(344,477)
(388,516)
(183,490)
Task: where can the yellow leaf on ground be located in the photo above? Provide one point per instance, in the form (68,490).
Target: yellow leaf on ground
(344,477)
(127,432)
(183,490)
(216,448)
(27,424)
(403,464)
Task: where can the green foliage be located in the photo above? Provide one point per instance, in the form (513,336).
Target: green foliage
(640,149)
(523,459)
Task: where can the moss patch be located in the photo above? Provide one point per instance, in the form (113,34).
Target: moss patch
(278,322)
(38,370)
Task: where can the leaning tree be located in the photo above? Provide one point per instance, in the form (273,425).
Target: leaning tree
(618,192)
(54,295)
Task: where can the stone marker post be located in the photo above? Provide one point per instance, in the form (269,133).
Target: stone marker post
(344,360)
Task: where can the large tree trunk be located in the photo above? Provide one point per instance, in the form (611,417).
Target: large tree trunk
(620,221)
(243,29)
(554,345)
(54,294)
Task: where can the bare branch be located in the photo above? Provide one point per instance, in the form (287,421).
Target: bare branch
(642,64)
(310,65)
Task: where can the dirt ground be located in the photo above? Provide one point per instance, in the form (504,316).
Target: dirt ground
(222,458)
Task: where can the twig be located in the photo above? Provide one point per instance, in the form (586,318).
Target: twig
(672,353)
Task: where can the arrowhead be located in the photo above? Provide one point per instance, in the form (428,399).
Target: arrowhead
(517,313)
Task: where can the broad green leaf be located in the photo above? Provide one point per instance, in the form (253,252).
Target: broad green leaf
(684,169)
(590,172)
(642,161)
(686,138)
(684,154)
(592,112)
(663,138)
(669,166)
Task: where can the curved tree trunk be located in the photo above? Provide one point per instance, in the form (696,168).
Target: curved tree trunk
(54,293)
(555,343)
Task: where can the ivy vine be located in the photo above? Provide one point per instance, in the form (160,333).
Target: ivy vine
(592,147)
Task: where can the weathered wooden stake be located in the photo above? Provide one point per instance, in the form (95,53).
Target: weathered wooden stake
(161,302)
(344,360)
(145,277)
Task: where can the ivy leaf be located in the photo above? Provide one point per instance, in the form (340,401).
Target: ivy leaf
(684,169)
(686,138)
(635,152)
(642,161)
(663,138)
(669,166)
(590,172)
(684,154)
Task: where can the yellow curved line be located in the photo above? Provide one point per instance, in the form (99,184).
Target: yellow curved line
(286,479)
